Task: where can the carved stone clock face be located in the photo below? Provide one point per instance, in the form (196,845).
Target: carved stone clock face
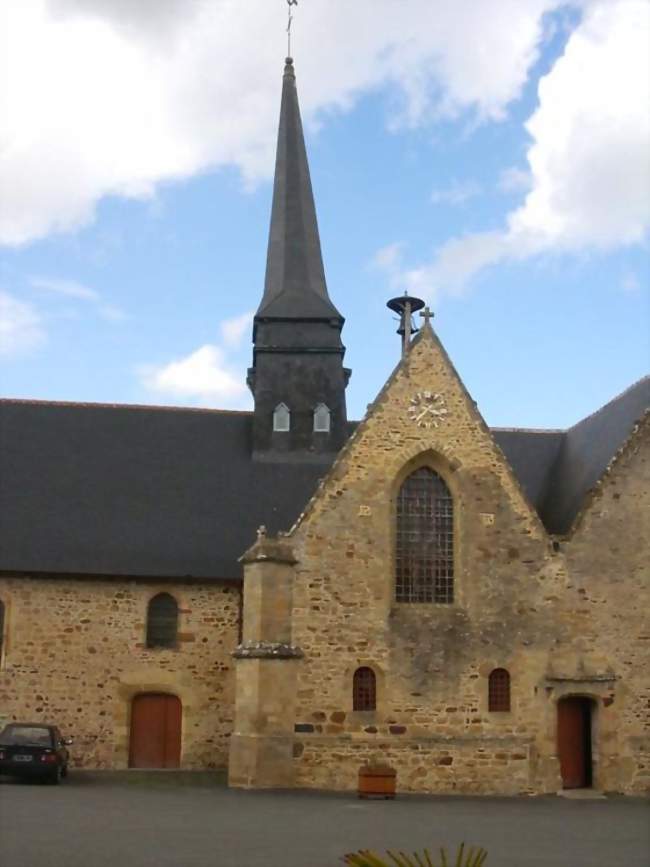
(427,409)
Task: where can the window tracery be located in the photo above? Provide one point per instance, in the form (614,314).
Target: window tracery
(424,556)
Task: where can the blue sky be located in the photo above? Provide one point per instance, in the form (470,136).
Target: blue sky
(510,189)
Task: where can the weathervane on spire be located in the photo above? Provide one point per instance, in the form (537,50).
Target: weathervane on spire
(290,3)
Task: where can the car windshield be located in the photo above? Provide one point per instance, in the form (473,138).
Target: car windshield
(26,736)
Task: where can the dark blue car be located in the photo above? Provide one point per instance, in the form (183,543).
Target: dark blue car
(34,750)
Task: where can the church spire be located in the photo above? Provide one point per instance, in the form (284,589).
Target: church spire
(295,285)
(297,378)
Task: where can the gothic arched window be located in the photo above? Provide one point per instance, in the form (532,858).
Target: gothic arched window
(281,418)
(364,689)
(321,419)
(424,556)
(499,690)
(162,621)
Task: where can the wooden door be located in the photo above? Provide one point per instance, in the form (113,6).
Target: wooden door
(155,731)
(574,741)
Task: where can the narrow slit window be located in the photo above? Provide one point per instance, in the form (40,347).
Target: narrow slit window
(281,418)
(364,689)
(499,691)
(162,621)
(322,419)
(424,555)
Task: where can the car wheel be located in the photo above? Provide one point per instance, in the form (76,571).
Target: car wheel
(55,777)
(64,771)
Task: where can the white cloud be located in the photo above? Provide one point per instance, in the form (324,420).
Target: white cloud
(589,164)
(455,264)
(388,257)
(79,292)
(111,313)
(591,136)
(111,97)
(233,330)
(514,180)
(21,329)
(65,287)
(457,193)
(204,377)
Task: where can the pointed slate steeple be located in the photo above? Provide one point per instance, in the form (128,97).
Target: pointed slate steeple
(295,284)
(297,378)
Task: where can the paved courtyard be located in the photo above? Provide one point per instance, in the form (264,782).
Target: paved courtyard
(163,820)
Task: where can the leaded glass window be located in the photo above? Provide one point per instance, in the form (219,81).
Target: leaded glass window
(162,621)
(499,690)
(364,689)
(424,557)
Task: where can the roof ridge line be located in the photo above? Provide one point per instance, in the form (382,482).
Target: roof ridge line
(114,405)
(591,492)
(610,401)
(553,430)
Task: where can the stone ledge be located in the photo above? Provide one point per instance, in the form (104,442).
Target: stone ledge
(582,678)
(474,741)
(267,650)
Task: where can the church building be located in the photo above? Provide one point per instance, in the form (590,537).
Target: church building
(292,595)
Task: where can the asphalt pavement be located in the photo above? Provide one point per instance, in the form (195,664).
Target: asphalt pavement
(166,820)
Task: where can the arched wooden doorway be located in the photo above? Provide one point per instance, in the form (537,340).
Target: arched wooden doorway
(574,741)
(155,731)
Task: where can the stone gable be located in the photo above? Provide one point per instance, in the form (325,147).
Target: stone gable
(516,606)
(424,407)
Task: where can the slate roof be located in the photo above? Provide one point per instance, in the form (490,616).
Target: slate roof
(294,285)
(97,489)
(531,454)
(163,492)
(587,450)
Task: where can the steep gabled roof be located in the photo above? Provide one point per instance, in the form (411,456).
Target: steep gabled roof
(587,449)
(295,286)
(531,454)
(154,491)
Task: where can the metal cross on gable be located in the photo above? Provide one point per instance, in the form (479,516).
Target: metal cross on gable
(290,3)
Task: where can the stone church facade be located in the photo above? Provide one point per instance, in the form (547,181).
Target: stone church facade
(468,605)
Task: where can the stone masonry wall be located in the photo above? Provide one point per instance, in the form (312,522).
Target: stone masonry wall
(608,560)
(74,654)
(515,607)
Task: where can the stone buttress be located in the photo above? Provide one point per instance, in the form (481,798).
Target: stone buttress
(261,753)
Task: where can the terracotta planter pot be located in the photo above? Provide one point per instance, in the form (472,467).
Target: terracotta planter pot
(377,782)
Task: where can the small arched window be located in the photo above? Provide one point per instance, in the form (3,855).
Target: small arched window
(281,418)
(424,556)
(322,419)
(162,621)
(499,691)
(364,689)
